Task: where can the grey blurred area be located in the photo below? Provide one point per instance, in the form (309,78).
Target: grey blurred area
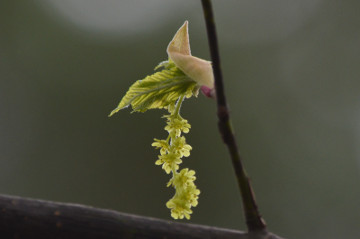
(291,72)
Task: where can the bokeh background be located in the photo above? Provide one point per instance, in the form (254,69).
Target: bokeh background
(292,78)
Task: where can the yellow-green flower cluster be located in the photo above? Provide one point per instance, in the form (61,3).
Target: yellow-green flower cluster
(186,195)
(171,151)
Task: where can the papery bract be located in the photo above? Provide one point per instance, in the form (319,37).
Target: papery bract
(179,52)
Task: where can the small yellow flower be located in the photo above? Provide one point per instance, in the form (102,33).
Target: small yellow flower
(162,145)
(179,145)
(176,125)
(169,161)
(178,209)
(185,178)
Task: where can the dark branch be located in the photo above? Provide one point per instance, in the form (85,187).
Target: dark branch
(30,218)
(253,218)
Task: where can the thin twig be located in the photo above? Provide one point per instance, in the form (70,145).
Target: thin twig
(31,218)
(253,218)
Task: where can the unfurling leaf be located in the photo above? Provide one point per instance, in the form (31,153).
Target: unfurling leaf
(158,90)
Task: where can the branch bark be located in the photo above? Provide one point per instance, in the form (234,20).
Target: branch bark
(253,218)
(26,218)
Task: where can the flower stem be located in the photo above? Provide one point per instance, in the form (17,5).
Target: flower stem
(176,113)
(253,218)
(178,105)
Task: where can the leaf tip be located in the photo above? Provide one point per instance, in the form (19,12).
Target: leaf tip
(113,112)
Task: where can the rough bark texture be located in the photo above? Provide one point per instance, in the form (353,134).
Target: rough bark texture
(32,218)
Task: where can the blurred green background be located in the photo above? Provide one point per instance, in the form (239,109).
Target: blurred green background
(292,78)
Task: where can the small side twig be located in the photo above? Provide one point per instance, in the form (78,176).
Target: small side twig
(253,218)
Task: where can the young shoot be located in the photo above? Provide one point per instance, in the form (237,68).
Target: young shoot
(180,77)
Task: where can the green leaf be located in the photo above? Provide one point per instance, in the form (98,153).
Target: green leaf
(158,90)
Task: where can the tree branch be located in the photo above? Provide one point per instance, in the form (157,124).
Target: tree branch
(25,218)
(253,218)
